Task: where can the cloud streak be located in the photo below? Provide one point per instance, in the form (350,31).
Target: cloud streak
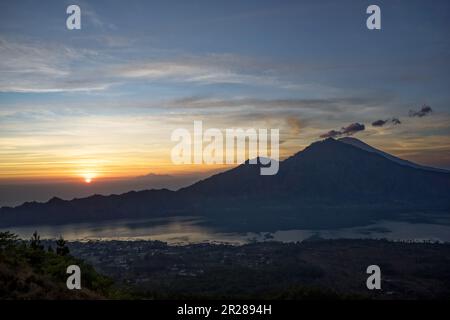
(37,68)
(29,66)
(206,70)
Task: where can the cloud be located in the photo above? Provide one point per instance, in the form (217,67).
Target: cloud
(203,70)
(396,121)
(95,20)
(353,128)
(331,134)
(424,111)
(349,130)
(336,105)
(380,123)
(30,66)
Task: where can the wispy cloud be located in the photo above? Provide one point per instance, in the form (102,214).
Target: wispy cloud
(337,104)
(204,70)
(36,68)
(95,19)
(29,66)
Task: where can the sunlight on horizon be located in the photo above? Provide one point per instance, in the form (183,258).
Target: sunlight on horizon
(89,177)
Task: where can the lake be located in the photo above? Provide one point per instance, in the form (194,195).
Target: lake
(182,230)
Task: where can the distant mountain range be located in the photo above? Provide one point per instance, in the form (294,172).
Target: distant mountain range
(14,193)
(330,183)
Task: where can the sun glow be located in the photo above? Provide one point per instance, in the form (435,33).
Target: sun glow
(88,177)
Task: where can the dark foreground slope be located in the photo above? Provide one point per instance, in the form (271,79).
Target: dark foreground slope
(320,269)
(329,184)
(30,271)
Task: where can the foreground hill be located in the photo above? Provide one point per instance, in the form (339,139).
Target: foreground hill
(30,271)
(328,184)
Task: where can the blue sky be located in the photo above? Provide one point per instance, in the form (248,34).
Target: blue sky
(106,97)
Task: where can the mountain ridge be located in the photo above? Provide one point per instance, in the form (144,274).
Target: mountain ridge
(364,146)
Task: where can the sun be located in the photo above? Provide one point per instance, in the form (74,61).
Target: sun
(88,177)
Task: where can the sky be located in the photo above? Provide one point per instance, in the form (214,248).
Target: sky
(102,101)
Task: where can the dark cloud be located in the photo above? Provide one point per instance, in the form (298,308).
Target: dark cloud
(424,111)
(352,128)
(331,134)
(396,121)
(379,123)
(348,131)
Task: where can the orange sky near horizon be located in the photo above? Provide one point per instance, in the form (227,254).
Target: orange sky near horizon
(433,151)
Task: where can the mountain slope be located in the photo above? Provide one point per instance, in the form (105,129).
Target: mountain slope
(364,146)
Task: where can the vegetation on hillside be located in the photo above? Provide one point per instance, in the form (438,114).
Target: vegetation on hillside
(28,270)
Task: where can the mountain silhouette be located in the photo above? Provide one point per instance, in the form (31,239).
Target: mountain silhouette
(329,170)
(329,183)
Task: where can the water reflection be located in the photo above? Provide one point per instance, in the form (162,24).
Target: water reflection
(180,230)
(174,230)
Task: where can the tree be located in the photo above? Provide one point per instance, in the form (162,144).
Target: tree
(35,242)
(7,238)
(61,247)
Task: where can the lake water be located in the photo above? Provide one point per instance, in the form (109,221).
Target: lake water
(182,230)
